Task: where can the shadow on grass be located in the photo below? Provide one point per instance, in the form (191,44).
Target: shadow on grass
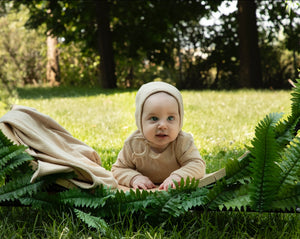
(63,91)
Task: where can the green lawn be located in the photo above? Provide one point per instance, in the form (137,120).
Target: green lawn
(222,122)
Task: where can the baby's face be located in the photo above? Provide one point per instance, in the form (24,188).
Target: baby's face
(160,120)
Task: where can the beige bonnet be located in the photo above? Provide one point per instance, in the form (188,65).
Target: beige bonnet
(151,88)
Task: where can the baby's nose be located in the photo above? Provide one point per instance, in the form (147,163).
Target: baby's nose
(162,124)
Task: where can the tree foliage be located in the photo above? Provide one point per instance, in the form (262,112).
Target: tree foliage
(163,39)
(22,55)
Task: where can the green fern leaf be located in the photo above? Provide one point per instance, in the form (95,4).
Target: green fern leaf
(265,172)
(120,202)
(134,201)
(286,130)
(196,198)
(4,141)
(189,184)
(290,164)
(19,187)
(11,156)
(296,99)
(92,221)
(40,200)
(176,202)
(83,198)
(240,199)
(228,196)
(172,206)
(238,169)
(16,159)
(288,199)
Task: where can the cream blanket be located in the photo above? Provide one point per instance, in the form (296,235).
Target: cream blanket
(54,148)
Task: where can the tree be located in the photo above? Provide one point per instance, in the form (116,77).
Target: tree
(250,69)
(158,31)
(78,21)
(140,41)
(105,48)
(21,54)
(53,69)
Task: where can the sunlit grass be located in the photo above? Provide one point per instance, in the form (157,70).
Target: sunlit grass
(222,122)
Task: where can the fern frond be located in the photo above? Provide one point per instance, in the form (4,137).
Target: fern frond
(288,199)
(290,164)
(4,141)
(265,172)
(92,221)
(21,187)
(40,200)
(11,156)
(16,188)
(171,206)
(120,202)
(139,199)
(296,99)
(187,185)
(134,201)
(287,129)
(219,194)
(240,199)
(83,198)
(238,170)
(13,160)
(194,199)
(176,202)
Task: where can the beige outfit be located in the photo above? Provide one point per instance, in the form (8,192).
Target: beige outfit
(55,149)
(181,157)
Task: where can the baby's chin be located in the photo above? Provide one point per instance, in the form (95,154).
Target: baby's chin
(158,148)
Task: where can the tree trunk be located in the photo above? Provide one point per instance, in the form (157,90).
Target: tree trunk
(107,77)
(250,68)
(53,69)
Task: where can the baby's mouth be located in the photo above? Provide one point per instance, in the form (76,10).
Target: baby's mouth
(161,135)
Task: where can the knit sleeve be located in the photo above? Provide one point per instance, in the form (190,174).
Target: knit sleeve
(188,156)
(123,169)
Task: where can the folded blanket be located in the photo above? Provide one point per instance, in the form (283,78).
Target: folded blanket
(54,148)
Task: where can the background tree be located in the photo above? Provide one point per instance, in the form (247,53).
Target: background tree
(140,41)
(283,19)
(22,54)
(250,68)
(53,69)
(22,51)
(78,21)
(161,32)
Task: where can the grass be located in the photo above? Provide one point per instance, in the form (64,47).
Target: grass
(222,122)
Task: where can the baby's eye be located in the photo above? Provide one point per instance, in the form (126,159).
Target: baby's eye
(171,118)
(154,118)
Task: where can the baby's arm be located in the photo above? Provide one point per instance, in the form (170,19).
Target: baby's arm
(188,156)
(123,169)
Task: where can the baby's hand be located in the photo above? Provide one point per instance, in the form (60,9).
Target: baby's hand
(142,182)
(169,181)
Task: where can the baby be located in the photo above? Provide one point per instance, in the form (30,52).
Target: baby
(158,152)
